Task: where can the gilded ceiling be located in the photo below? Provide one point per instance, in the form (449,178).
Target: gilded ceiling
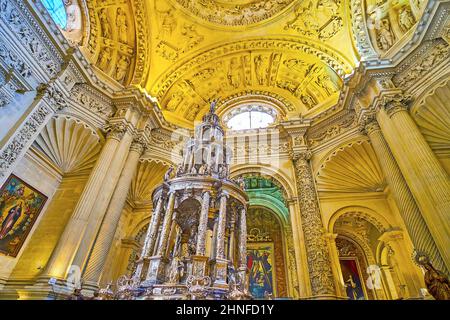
(186,52)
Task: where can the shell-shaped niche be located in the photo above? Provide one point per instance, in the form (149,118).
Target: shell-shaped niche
(69,144)
(148,176)
(351,168)
(433,119)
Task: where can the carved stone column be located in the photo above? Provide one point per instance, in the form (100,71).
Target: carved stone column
(221,264)
(334,256)
(103,199)
(242,245)
(62,255)
(150,239)
(97,258)
(425,176)
(417,228)
(319,263)
(203,224)
(157,263)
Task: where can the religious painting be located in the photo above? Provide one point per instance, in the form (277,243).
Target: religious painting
(352,276)
(261,271)
(20,205)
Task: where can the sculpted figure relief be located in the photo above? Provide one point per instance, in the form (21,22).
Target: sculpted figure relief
(234,73)
(121,23)
(385,38)
(406,19)
(105,58)
(104,22)
(122,68)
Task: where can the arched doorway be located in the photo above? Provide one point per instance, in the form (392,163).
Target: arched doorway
(265,254)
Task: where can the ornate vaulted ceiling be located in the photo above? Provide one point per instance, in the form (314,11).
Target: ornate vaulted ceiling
(186,52)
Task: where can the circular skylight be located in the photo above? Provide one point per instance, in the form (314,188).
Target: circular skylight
(57,11)
(250,117)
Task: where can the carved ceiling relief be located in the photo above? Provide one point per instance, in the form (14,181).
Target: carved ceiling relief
(307,81)
(389,20)
(317,18)
(235,13)
(174,37)
(112,40)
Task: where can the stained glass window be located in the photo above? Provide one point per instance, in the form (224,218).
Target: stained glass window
(57,11)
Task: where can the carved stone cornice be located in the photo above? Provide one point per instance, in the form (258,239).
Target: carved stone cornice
(53,95)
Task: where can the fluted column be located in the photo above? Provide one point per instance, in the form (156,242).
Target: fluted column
(166,225)
(220,246)
(150,238)
(203,224)
(319,263)
(103,199)
(97,258)
(415,224)
(62,255)
(425,176)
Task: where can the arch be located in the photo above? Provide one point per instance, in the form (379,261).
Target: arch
(378,220)
(267,172)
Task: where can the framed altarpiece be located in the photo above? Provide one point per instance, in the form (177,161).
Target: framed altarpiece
(20,206)
(353,278)
(261,270)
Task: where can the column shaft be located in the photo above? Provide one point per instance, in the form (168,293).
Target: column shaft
(63,254)
(427,180)
(166,225)
(203,224)
(220,245)
(108,228)
(98,211)
(417,228)
(319,263)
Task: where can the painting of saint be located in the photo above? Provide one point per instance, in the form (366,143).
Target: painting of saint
(20,205)
(352,279)
(260,269)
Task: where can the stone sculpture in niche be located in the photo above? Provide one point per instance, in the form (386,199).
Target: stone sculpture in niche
(121,23)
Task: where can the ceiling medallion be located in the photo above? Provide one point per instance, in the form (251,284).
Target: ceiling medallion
(235,12)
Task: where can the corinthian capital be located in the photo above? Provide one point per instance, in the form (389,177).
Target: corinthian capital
(117,130)
(395,103)
(302,156)
(368,123)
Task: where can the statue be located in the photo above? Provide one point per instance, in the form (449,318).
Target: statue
(104,22)
(259,69)
(168,174)
(385,37)
(406,19)
(180,170)
(121,23)
(437,282)
(122,68)
(105,58)
(202,169)
(192,242)
(234,73)
(176,271)
(76,295)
